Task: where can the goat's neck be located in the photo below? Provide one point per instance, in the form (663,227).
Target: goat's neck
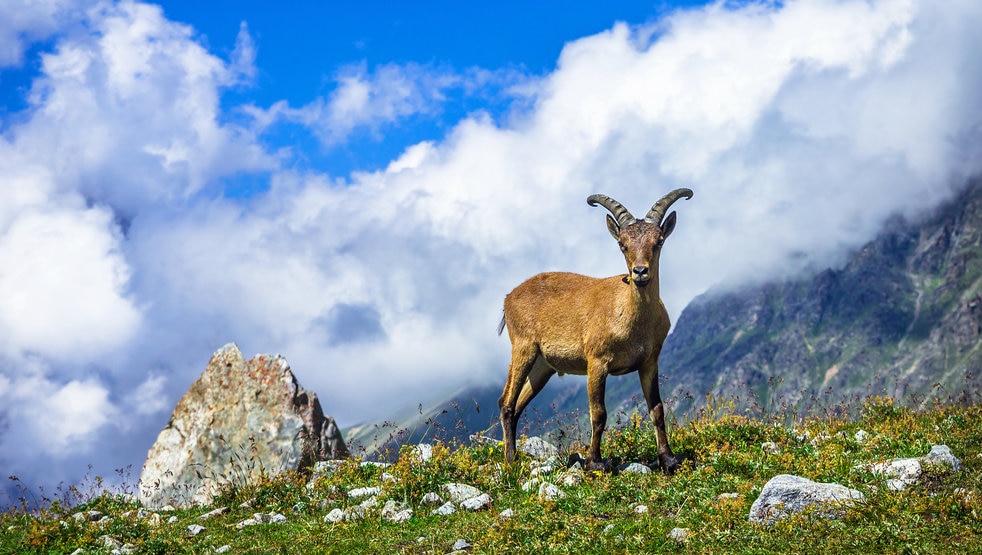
(644,301)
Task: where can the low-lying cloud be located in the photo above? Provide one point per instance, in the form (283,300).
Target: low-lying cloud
(801,126)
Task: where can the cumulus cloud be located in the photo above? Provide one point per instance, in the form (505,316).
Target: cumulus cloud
(802,126)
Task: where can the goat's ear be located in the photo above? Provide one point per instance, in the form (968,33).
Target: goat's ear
(613,228)
(668,226)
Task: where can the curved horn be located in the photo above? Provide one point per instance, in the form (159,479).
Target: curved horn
(620,213)
(657,211)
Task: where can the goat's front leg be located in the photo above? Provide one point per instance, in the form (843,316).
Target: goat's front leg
(656,410)
(596,385)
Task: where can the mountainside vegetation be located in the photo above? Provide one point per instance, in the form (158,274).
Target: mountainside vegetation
(703,508)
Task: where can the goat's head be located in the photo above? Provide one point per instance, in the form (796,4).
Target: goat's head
(640,240)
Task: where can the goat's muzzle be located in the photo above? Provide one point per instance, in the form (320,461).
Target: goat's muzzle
(640,275)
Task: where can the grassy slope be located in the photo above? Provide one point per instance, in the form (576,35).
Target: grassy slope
(940,515)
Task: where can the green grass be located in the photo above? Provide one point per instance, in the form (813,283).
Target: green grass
(942,514)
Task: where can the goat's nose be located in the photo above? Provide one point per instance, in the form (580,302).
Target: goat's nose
(641,271)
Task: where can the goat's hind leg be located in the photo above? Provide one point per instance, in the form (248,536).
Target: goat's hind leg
(522,359)
(656,409)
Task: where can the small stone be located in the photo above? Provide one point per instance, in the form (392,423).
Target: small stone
(549,492)
(212,514)
(431,499)
(172,520)
(335,516)
(507,513)
(461,545)
(195,529)
(680,535)
(725,496)
(276,518)
(364,492)
(247,504)
(109,542)
(224,549)
(369,503)
(537,448)
(861,436)
(423,452)
(770,448)
(544,469)
(394,511)
(78,551)
(155,520)
(482,501)
(942,455)
(530,485)
(641,509)
(635,468)
(444,510)
(460,492)
(167,509)
(572,477)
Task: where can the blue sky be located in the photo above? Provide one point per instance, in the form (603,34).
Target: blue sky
(301,50)
(358,190)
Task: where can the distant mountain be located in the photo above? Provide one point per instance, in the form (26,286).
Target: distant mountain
(902,317)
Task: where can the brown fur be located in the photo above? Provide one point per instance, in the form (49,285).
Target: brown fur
(596,327)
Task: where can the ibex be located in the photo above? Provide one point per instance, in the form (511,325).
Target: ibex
(574,324)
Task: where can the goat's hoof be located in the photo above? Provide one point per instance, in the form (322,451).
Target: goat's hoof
(669,464)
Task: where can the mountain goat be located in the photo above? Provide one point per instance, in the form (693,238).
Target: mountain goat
(597,327)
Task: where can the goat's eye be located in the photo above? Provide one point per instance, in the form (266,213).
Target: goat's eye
(621,245)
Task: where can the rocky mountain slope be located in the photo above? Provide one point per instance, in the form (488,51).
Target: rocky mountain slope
(902,317)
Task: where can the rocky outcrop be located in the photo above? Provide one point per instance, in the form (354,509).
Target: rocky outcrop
(239,420)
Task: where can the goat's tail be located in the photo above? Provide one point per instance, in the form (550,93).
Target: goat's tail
(501,324)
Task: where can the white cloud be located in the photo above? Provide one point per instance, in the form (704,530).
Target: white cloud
(800,126)
(25,21)
(46,418)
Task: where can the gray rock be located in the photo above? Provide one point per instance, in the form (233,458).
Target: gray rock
(393,511)
(212,514)
(641,509)
(461,545)
(635,468)
(507,513)
(482,501)
(335,516)
(537,448)
(364,492)
(423,452)
(239,419)
(549,492)
(224,549)
(861,436)
(444,510)
(680,535)
(942,455)
(195,529)
(431,499)
(900,473)
(572,477)
(460,492)
(785,494)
